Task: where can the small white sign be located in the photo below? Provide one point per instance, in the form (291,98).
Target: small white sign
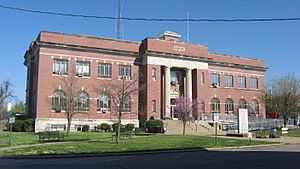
(11,120)
(243,121)
(9,105)
(179,48)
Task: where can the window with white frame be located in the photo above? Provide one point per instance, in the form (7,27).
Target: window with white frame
(83,69)
(254,107)
(241,82)
(82,102)
(174,77)
(228,81)
(103,103)
(124,71)
(58,101)
(254,83)
(242,104)
(60,66)
(104,70)
(229,106)
(215,79)
(202,78)
(153,106)
(215,105)
(57,127)
(126,107)
(153,73)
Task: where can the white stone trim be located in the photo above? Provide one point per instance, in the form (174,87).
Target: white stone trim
(173,62)
(42,124)
(84,57)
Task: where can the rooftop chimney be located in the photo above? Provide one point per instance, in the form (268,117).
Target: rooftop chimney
(170,36)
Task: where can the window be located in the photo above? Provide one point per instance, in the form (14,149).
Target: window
(126,105)
(104,70)
(215,79)
(202,107)
(229,107)
(242,104)
(153,106)
(83,69)
(60,66)
(241,82)
(125,71)
(153,73)
(58,101)
(174,77)
(228,81)
(57,127)
(103,103)
(202,78)
(254,83)
(215,105)
(82,102)
(254,107)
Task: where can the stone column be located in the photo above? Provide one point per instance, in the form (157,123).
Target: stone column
(189,86)
(189,83)
(167,92)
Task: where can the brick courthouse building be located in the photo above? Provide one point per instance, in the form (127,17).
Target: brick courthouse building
(223,83)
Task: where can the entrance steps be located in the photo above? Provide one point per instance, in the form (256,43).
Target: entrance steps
(175,127)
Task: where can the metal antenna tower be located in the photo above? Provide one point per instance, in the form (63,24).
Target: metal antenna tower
(187,28)
(119,15)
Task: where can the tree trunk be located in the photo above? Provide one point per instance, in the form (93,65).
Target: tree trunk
(118,131)
(183,131)
(69,125)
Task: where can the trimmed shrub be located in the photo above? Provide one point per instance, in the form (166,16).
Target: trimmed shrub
(142,123)
(85,128)
(155,126)
(115,127)
(22,126)
(129,127)
(18,126)
(29,125)
(105,127)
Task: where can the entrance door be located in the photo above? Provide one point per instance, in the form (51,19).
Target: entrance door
(174,114)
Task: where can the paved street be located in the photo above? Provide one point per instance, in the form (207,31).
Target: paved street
(259,157)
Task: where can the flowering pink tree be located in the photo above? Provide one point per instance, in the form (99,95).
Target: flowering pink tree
(186,107)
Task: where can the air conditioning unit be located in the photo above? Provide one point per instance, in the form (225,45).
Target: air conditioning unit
(103,110)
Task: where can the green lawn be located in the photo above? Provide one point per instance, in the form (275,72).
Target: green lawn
(103,143)
(292,133)
(22,138)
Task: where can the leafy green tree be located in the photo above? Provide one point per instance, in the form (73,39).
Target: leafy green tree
(282,95)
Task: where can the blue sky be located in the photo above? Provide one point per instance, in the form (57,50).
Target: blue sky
(277,43)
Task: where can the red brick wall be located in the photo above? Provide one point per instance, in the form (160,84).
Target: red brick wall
(48,82)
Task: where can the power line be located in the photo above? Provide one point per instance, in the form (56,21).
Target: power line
(152,19)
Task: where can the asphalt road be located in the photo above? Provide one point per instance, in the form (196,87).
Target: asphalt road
(283,156)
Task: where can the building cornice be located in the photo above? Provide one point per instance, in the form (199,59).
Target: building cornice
(210,61)
(79,48)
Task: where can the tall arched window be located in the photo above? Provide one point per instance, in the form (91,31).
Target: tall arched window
(254,107)
(229,107)
(242,104)
(126,104)
(82,102)
(103,102)
(215,105)
(58,101)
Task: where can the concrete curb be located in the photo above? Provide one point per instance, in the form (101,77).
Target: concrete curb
(238,147)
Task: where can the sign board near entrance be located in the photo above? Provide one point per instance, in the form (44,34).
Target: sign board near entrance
(11,120)
(243,121)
